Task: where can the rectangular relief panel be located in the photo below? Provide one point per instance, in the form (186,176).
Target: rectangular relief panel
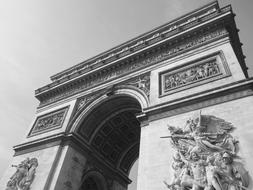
(194,73)
(49,121)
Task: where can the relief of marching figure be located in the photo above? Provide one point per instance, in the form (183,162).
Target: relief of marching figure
(193,74)
(206,156)
(24,175)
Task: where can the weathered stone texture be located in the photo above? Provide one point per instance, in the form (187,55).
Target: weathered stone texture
(156,154)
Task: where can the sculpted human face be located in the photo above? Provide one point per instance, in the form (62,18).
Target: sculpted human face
(194,156)
(226,160)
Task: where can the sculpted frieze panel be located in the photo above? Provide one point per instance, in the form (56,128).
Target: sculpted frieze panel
(132,65)
(24,175)
(206,156)
(197,72)
(49,121)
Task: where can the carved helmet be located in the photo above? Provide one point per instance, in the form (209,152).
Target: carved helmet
(226,155)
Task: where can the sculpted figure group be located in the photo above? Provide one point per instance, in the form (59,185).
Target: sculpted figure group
(206,156)
(191,75)
(24,175)
(50,121)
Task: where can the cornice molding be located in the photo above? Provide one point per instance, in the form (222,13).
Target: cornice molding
(161,34)
(207,98)
(143,61)
(204,13)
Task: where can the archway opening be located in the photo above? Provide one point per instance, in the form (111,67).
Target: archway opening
(113,132)
(90,184)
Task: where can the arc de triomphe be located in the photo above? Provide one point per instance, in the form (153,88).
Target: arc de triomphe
(185,81)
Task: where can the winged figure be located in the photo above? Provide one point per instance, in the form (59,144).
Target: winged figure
(206,156)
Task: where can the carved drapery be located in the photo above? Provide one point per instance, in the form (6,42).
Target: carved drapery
(49,121)
(129,66)
(206,155)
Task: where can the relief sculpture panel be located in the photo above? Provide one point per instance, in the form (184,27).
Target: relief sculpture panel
(195,73)
(49,121)
(129,66)
(24,175)
(206,156)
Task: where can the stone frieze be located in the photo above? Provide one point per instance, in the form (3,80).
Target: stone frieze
(130,66)
(167,31)
(191,75)
(206,156)
(195,73)
(49,121)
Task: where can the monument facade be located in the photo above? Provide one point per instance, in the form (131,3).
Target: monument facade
(178,98)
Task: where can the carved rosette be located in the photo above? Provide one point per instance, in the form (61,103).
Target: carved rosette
(206,155)
(49,121)
(24,175)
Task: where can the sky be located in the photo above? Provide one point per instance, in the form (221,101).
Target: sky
(39,38)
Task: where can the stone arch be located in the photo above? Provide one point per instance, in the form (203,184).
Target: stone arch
(122,90)
(93,180)
(109,126)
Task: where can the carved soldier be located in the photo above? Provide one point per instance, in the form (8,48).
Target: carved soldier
(200,72)
(206,70)
(173,82)
(30,174)
(178,167)
(197,166)
(234,176)
(16,178)
(212,178)
(208,150)
(167,83)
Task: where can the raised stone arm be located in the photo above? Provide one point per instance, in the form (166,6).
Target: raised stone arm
(184,159)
